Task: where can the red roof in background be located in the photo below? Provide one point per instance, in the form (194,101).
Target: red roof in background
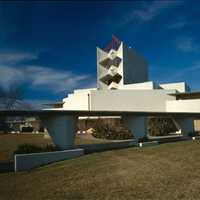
(114,44)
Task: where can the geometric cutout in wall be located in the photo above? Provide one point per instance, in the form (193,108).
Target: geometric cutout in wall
(107,79)
(117,78)
(108,62)
(116,61)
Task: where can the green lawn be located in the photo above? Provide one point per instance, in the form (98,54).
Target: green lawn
(9,142)
(168,171)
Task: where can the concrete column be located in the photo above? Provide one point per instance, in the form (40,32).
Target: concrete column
(137,125)
(186,125)
(61,129)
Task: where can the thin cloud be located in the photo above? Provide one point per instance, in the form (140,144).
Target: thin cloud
(38,103)
(51,79)
(149,11)
(15,57)
(177,25)
(10,76)
(188,74)
(185,71)
(187,44)
(38,77)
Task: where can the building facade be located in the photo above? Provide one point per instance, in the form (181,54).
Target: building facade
(123,86)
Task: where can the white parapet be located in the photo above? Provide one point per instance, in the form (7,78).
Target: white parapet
(130,100)
(184,106)
(77,101)
(180,87)
(149,85)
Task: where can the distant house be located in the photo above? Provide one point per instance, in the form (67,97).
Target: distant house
(22,125)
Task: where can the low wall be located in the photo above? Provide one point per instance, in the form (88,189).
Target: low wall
(169,139)
(148,144)
(29,161)
(6,166)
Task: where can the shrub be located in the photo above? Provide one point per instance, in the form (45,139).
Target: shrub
(143,139)
(30,148)
(27,129)
(193,134)
(112,135)
(117,131)
(107,131)
(161,126)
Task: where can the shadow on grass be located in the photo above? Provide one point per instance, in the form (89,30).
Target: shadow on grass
(6,166)
(92,148)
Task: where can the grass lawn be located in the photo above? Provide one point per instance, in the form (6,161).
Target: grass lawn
(168,171)
(9,142)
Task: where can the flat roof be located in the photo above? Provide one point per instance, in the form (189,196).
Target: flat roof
(55,103)
(43,113)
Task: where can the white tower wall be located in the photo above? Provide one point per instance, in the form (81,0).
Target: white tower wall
(121,66)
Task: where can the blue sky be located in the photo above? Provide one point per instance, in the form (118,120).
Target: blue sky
(50,47)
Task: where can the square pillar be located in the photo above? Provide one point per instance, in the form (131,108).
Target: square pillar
(186,125)
(61,129)
(137,125)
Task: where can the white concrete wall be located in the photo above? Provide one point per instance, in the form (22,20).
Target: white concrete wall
(150,85)
(197,125)
(131,97)
(129,100)
(192,105)
(77,101)
(181,87)
(102,71)
(84,90)
(132,68)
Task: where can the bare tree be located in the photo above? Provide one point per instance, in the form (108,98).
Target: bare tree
(11,97)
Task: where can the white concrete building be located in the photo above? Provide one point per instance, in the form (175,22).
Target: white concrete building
(123,85)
